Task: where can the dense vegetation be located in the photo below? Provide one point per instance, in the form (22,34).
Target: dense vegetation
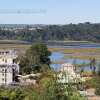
(36,59)
(94,82)
(97,82)
(49,91)
(82,31)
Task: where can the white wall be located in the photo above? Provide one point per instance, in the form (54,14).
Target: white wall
(7,76)
(5,60)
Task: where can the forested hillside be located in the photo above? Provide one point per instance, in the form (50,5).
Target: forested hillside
(82,31)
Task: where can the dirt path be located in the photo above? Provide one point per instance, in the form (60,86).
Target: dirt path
(91,95)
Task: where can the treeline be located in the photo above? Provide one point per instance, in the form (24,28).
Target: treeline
(82,31)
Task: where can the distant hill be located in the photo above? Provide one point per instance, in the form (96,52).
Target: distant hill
(78,32)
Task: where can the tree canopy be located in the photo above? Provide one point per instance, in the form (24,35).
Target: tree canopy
(35,59)
(82,31)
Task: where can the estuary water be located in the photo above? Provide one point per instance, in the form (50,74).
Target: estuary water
(59,57)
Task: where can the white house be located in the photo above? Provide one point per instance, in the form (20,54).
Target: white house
(8,68)
(67,74)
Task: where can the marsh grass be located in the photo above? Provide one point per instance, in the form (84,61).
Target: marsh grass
(79,53)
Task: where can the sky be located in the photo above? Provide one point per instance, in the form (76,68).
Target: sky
(50,11)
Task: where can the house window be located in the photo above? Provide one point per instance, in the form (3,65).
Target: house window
(3,70)
(2,74)
(2,79)
(5,60)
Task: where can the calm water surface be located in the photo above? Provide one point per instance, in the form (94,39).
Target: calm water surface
(59,56)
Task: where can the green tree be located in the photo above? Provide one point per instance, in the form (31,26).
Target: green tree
(35,59)
(98,72)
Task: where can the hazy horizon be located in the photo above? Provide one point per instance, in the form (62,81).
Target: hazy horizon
(49,11)
(48,24)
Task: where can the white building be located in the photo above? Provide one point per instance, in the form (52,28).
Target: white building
(69,68)
(67,74)
(8,68)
